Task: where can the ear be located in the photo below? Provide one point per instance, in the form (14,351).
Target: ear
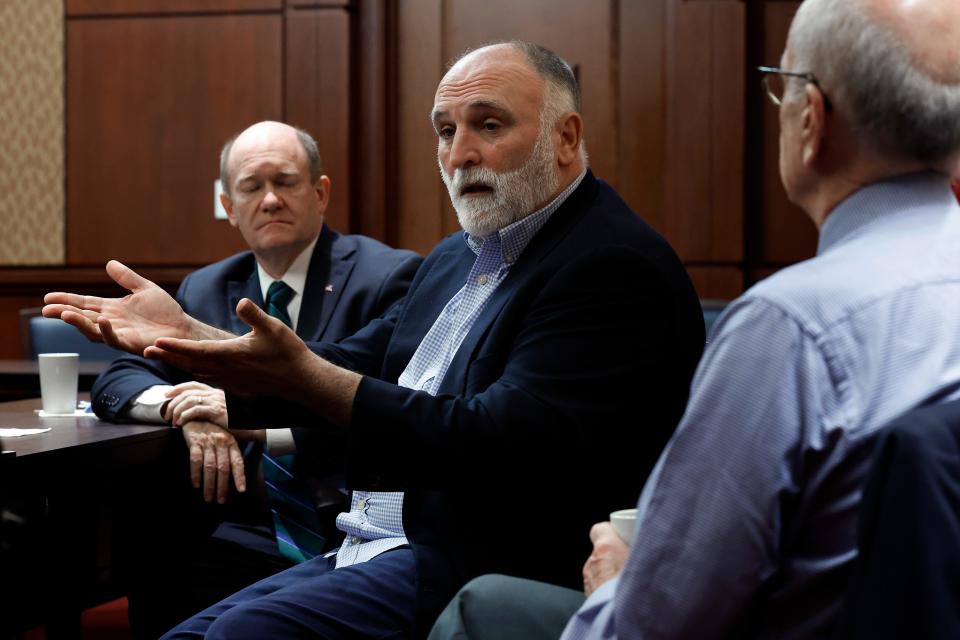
(322,188)
(814,125)
(228,207)
(570,130)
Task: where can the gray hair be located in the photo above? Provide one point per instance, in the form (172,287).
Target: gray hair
(306,141)
(861,65)
(562,91)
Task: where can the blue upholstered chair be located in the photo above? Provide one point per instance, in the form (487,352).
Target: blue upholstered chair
(49,335)
(712,308)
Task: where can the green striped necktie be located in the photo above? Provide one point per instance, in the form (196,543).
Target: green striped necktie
(294,517)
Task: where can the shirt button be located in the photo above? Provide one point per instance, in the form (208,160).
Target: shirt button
(482,279)
(355,540)
(362,504)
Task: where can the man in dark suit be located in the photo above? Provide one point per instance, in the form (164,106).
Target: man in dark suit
(538,363)
(276,195)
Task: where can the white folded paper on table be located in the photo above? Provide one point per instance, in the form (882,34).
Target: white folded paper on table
(15,432)
(79,413)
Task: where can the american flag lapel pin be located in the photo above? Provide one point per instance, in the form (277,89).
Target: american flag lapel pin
(328,288)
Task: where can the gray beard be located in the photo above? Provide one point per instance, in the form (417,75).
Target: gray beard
(515,194)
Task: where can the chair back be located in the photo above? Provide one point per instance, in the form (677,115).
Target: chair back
(906,580)
(712,308)
(50,335)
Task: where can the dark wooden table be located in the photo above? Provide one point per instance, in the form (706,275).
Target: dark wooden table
(20,379)
(71,485)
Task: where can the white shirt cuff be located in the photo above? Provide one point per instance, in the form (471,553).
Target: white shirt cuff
(146,407)
(280,442)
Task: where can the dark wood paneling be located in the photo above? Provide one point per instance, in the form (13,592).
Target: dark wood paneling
(374,158)
(150,102)
(127,7)
(704,153)
(420,193)
(781,232)
(318,96)
(642,109)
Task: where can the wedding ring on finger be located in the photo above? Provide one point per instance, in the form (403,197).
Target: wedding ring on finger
(199,399)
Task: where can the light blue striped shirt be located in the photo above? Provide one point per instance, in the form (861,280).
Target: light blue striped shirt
(374,523)
(750,514)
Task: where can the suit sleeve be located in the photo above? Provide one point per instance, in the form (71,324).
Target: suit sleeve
(395,284)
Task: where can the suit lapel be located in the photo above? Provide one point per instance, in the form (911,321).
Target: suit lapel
(552,232)
(238,289)
(326,280)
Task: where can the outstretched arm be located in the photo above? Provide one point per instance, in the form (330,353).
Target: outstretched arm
(133,322)
(269,360)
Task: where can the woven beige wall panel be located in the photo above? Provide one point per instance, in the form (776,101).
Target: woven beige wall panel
(31,131)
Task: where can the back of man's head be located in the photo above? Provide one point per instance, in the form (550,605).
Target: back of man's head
(892,67)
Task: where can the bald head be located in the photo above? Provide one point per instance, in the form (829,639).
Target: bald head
(928,30)
(266,135)
(891,66)
(552,74)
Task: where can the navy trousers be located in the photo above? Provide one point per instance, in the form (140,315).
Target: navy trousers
(374,599)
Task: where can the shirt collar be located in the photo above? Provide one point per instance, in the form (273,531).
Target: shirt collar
(515,237)
(296,275)
(880,201)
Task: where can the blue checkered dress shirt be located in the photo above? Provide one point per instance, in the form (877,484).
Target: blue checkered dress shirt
(374,523)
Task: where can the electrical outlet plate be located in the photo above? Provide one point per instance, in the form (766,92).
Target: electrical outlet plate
(218,211)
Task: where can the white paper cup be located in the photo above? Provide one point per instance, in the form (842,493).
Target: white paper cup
(624,522)
(59,374)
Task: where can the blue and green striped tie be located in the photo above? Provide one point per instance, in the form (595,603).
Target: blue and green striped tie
(294,517)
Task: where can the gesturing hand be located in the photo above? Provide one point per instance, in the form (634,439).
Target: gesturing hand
(263,361)
(130,323)
(608,557)
(214,458)
(192,401)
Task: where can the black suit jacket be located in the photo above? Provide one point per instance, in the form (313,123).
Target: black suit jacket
(906,581)
(553,410)
(365,279)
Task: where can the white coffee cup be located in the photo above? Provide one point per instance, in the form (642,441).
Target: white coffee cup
(624,522)
(59,375)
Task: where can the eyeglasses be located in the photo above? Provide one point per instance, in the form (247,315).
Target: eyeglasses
(775,84)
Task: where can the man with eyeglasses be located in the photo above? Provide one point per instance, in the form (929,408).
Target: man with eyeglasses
(747,525)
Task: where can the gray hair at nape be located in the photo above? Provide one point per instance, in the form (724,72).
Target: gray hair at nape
(863,67)
(314,163)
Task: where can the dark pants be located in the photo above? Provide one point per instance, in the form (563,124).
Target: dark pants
(180,555)
(374,599)
(495,607)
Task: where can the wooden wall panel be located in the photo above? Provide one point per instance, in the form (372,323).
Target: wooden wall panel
(782,233)
(419,207)
(642,109)
(150,102)
(706,54)
(126,7)
(318,96)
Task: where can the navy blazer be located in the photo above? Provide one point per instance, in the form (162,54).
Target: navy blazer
(365,279)
(553,411)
